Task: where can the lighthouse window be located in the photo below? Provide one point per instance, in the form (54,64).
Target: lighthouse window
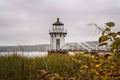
(53,27)
(57,27)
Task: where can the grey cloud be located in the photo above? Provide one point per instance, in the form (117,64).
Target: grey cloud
(28,21)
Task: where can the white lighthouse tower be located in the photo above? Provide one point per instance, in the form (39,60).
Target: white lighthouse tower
(57,35)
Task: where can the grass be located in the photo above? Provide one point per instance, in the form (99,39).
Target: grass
(61,67)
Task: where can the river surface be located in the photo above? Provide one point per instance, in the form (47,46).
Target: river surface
(26,54)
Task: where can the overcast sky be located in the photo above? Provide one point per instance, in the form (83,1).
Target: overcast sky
(28,21)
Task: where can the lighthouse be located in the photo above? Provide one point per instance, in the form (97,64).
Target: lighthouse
(57,36)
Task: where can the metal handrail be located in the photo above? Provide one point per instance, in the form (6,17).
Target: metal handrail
(58,31)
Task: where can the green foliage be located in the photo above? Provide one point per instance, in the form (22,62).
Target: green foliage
(110,24)
(16,67)
(60,67)
(107,36)
(103,38)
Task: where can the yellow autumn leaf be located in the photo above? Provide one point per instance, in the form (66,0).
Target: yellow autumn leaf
(97,65)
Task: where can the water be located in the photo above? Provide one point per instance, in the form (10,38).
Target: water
(29,54)
(26,54)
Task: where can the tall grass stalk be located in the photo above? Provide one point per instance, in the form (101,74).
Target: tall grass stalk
(64,67)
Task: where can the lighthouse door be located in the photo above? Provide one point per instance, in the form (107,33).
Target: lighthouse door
(57,44)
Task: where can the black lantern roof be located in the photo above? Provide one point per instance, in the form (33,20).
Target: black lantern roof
(58,22)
